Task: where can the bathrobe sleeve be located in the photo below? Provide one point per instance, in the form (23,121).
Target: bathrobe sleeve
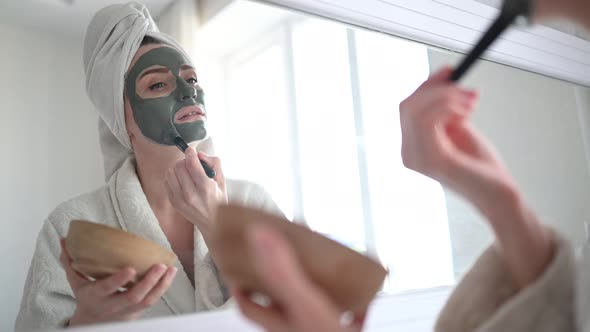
(48,301)
(486,299)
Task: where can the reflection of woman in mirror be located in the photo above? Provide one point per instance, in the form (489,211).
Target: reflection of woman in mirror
(529,280)
(146,90)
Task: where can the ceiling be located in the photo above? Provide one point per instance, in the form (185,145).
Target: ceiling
(71,17)
(66,17)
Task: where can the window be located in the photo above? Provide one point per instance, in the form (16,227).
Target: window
(311,114)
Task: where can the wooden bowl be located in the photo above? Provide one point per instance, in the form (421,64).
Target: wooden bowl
(98,250)
(350,279)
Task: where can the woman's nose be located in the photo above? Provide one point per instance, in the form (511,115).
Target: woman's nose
(193,96)
(185,90)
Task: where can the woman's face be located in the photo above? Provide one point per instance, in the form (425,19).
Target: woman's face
(163,97)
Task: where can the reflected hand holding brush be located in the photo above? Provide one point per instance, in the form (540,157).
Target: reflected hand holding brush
(181,144)
(196,186)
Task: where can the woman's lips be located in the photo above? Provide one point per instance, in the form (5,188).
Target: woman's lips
(189,114)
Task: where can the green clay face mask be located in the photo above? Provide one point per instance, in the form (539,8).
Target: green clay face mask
(165,97)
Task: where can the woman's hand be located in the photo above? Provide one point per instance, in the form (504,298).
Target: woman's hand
(193,193)
(297,304)
(576,10)
(101,301)
(438,141)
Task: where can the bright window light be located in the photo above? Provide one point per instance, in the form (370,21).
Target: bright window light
(311,113)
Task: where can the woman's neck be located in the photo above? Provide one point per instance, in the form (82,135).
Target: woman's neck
(151,171)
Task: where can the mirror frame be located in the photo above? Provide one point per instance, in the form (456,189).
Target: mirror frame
(457,25)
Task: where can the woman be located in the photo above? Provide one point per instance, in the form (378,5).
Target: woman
(146,91)
(529,280)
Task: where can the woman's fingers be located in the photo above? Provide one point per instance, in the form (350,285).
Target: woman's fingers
(268,317)
(190,175)
(215,164)
(75,279)
(277,266)
(359,321)
(296,303)
(466,139)
(445,102)
(443,75)
(148,291)
(426,117)
(194,167)
(102,298)
(192,193)
(436,105)
(136,294)
(161,287)
(110,285)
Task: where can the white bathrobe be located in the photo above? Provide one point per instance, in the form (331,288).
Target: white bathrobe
(48,301)
(487,301)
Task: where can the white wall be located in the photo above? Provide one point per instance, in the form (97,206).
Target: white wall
(535,124)
(48,141)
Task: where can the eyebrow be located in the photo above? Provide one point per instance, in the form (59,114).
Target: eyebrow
(162,70)
(187,67)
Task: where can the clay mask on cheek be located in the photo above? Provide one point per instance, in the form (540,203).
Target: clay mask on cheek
(155,116)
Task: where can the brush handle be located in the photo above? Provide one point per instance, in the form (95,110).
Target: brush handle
(208,170)
(500,24)
(180,143)
(511,9)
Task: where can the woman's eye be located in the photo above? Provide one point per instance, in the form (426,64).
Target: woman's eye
(192,80)
(158,85)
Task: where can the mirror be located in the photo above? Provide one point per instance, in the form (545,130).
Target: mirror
(305,107)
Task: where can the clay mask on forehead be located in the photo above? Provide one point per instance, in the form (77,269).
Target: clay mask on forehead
(155,116)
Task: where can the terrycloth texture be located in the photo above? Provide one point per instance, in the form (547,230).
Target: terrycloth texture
(48,300)
(486,299)
(112,39)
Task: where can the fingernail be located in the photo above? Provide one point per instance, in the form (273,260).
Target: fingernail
(160,268)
